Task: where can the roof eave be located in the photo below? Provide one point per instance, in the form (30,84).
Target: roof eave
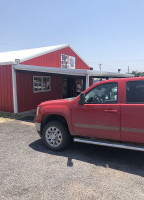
(8,63)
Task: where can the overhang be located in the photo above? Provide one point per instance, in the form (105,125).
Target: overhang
(71,72)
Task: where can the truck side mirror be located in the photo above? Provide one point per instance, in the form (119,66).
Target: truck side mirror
(82,99)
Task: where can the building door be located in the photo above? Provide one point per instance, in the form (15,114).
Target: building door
(68,86)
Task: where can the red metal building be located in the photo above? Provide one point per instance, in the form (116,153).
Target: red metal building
(28,77)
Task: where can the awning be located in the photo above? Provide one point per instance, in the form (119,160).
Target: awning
(71,72)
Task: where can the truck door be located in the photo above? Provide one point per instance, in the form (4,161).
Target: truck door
(100,115)
(132,111)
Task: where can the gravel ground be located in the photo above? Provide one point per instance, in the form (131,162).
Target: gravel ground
(28,170)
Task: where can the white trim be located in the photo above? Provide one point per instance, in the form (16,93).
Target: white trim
(14,90)
(7,63)
(87,81)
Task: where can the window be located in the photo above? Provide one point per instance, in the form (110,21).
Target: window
(67,61)
(103,94)
(41,83)
(135,92)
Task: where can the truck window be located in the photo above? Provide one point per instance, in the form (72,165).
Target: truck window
(103,94)
(135,92)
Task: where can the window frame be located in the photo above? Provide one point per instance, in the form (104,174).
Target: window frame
(108,102)
(42,77)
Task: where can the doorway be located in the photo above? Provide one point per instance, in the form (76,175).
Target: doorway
(68,87)
(71,87)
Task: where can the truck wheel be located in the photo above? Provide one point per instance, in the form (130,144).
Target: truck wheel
(56,136)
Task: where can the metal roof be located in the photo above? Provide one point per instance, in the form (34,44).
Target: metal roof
(94,73)
(23,55)
(71,72)
(8,58)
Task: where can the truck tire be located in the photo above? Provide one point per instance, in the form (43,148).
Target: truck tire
(56,136)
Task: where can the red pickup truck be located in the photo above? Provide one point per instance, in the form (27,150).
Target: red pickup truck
(109,113)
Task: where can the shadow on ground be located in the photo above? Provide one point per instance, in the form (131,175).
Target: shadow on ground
(21,117)
(27,119)
(124,160)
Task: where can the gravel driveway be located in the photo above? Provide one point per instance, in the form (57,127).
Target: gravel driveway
(28,170)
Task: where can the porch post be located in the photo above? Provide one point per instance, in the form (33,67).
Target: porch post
(87,81)
(14,90)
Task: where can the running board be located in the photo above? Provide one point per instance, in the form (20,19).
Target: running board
(109,144)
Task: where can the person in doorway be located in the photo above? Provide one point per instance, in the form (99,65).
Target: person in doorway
(78,87)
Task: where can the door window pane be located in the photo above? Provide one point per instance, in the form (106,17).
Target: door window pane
(103,94)
(135,92)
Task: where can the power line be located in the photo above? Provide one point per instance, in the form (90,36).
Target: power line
(117,61)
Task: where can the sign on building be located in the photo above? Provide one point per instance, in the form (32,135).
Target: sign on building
(67,61)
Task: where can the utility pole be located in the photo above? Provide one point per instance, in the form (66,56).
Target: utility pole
(128,69)
(119,70)
(100,66)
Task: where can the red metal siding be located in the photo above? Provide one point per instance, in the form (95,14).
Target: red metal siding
(27,99)
(53,59)
(6,91)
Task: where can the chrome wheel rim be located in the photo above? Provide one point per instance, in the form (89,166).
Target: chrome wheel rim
(53,136)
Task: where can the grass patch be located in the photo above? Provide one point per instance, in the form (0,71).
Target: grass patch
(9,116)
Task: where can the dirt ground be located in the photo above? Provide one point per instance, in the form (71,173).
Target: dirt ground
(28,170)
(2,120)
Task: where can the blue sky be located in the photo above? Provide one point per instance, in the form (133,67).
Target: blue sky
(107,32)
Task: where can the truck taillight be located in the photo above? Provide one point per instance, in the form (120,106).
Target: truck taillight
(38,111)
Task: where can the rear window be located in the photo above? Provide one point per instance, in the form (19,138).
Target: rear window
(135,92)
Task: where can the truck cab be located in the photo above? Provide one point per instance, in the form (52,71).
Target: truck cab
(108,113)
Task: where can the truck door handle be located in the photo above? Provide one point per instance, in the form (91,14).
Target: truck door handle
(111,111)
